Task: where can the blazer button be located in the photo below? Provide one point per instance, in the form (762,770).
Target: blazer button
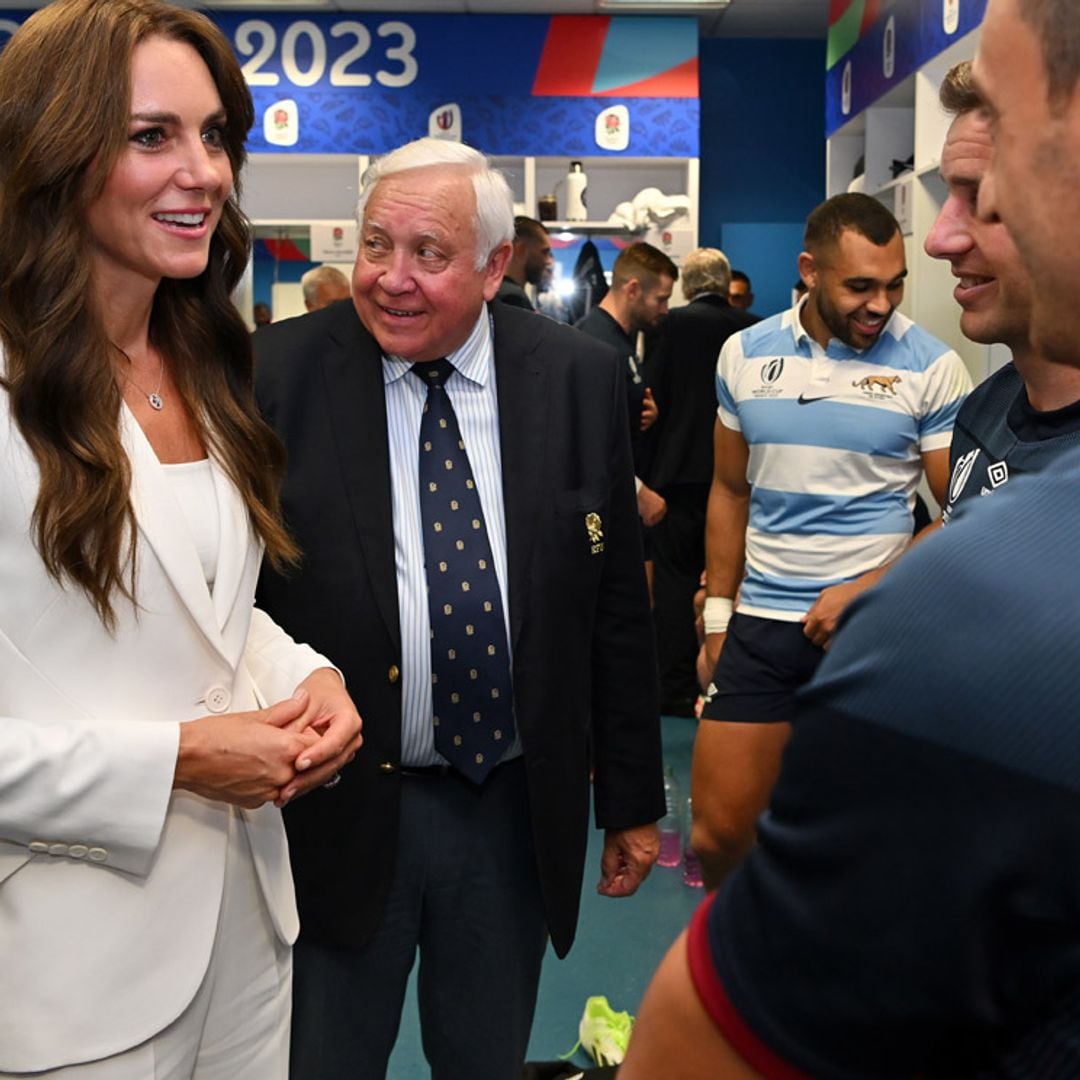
(39,847)
(387,767)
(218,699)
(78,851)
(393,673)
(97,854)
(58,849)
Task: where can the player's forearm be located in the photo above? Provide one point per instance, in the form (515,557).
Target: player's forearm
(725,540)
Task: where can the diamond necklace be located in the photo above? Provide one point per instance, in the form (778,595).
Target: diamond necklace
(154,397)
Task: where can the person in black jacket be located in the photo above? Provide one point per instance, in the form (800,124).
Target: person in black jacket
(642,281)
(413,850)
(530,263)
(681,368)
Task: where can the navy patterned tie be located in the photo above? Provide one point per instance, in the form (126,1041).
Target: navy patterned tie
(470,671)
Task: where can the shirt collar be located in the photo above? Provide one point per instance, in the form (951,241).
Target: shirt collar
(472,360)
(794,317)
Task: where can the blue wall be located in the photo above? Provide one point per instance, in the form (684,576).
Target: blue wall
(762,155)
(762,160)
(266,271)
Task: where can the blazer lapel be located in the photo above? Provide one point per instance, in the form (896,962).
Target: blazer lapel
(159,519)
(237,556)
(523,401)
(356,403)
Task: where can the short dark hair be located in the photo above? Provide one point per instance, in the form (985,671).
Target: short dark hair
(1057,25)
(958,93)
(644,262)
(527,228)
(740,275)
(860,213)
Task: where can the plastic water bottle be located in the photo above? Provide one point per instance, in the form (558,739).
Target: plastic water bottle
(576,183)
(670,833)
(691,874)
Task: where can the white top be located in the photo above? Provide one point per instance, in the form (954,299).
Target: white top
(193,485)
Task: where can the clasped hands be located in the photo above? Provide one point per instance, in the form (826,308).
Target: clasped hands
(273,754)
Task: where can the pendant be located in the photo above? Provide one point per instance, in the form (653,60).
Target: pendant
(155,401)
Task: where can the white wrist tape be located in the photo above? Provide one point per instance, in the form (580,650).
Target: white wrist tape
(717,614)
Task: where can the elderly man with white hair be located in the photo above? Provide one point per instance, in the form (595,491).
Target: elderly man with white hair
(461,485)
(322,286)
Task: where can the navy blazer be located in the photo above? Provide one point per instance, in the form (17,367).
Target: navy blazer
(585,691)
(681,369)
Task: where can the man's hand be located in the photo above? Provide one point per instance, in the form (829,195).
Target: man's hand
(649,411)
(332,717)
(819,623)
(651,507)
(628,857)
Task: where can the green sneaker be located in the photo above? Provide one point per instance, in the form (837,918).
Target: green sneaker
(604,1033)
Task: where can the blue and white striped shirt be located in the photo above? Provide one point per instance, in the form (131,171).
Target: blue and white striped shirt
(473,395)
(835,438)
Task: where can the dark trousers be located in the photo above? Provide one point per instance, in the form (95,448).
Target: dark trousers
(465,893)
(678,559)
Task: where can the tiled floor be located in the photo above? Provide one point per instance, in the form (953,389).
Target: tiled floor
(619,944)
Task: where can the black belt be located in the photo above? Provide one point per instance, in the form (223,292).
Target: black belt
(425,770)
(442,770)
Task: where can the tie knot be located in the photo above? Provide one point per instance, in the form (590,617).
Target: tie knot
(433,372)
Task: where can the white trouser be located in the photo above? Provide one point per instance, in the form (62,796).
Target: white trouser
(237,1025)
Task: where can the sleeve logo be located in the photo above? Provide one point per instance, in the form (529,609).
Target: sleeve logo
(961,474)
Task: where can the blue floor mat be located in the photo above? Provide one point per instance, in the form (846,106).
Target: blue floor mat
(618,946)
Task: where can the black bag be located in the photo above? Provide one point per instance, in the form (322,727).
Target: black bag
(591,285)
(564,1070)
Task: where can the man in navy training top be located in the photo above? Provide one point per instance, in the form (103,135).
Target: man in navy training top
(642,280)
(919,891)
(1028,412)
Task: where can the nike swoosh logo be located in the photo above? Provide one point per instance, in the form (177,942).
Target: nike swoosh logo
(806,400)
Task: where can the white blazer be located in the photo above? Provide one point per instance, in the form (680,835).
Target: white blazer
(110,882)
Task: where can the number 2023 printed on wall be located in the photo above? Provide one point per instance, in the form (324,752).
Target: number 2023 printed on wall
(303,52)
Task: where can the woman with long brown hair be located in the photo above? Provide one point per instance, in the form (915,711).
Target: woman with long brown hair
(150,717)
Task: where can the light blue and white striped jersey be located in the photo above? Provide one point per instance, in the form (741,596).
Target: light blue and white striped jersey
(835,438)
(472,392)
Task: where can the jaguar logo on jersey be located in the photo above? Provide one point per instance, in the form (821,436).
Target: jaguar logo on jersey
(876,385)
(961,474)
(772,371)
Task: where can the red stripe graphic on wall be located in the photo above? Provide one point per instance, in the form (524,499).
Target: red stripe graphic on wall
(571,56)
